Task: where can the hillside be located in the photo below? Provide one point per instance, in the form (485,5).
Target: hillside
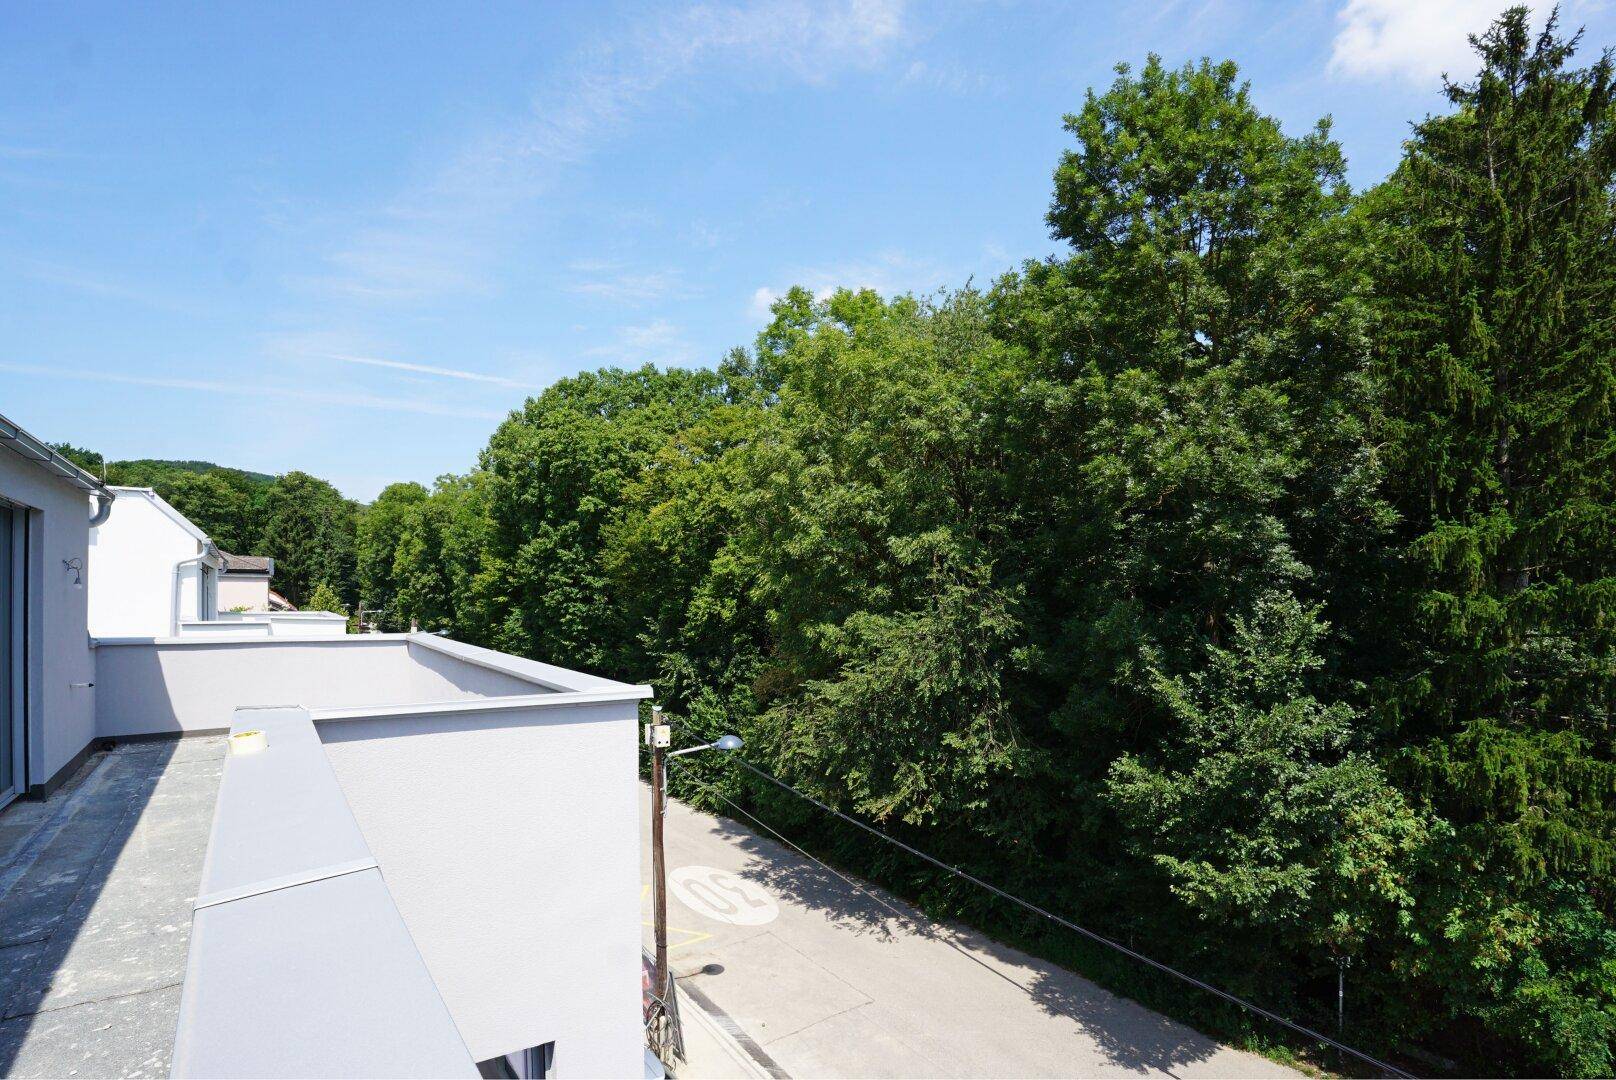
(159,466)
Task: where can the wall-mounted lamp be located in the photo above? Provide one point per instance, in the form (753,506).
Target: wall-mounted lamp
(76,567)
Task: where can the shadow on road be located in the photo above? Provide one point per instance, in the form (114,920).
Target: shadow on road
(1130,1036)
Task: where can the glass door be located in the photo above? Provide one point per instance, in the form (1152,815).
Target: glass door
(10,617)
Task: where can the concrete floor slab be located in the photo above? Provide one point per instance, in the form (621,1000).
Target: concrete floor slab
(96,888)
(127,1036)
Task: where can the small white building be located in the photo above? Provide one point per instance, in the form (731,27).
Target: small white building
(244,582)
(153,568)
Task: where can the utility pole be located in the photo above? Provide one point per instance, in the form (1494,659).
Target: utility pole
(1341,965)
(662,1021)
(660,738)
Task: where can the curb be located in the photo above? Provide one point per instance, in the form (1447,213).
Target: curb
(750,1058)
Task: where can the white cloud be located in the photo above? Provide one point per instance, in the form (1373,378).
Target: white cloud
(1415,40)
(80,280)
(762,301)
(441,235)
(255,389)
(944,78)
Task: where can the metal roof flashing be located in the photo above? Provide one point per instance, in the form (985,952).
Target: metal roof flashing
(32,448)
(300,963)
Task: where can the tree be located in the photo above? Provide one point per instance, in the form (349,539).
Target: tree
(379,532)
(325,598)
(308,529)
(1499,351)
(679,576)
(874,521)
(1200,495)
(556,473)
(445,577)
(1265,811)
(227,511)
(88,460)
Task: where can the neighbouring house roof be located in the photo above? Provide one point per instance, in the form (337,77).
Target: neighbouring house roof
(36,450)
(277,602)
(247,564)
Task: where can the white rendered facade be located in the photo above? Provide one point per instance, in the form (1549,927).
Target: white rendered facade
(244,592)
(152,568)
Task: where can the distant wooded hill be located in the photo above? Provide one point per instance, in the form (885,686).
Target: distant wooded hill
(156,467)
(148,472)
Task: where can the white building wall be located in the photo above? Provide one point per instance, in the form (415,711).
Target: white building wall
(61,715)
(237,592)
(269,624)
(510,843)
(195,684)
(132,557)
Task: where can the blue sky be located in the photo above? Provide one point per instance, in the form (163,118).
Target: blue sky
(348,238)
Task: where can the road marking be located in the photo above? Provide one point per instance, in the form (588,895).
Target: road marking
(691,936)
(723,896)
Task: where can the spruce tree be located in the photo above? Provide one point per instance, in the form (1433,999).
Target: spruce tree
(1498,289)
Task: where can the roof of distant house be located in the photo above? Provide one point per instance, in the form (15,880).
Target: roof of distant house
(247,564)
(277,602)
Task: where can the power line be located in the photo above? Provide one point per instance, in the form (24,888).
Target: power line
(903,916)
(778,835)
(1100,939)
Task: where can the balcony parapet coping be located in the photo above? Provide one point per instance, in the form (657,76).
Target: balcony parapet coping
(300,963)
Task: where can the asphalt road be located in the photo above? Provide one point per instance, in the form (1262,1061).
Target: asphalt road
(828,983)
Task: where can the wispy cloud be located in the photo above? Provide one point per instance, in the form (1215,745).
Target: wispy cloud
(762,300)
(427,369)
(944,78)
(889,273)
(257,390)
(84,281)
(612,282)
(659,342)
(1414,40)
(15,152)
(442,234)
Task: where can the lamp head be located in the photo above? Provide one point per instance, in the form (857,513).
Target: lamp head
(728,742)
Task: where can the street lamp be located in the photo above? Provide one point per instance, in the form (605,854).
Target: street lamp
(659,735)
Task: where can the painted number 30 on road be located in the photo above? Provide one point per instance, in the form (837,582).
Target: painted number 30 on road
(722,896)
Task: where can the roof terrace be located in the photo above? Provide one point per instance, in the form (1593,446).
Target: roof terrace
(430,862)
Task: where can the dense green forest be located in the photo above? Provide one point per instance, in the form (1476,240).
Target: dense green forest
(1240,583)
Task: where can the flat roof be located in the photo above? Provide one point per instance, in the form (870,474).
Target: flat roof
(96,884)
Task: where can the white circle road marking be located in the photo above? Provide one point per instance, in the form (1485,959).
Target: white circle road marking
(723,896)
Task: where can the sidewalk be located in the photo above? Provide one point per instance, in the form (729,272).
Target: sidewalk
(712,1050)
